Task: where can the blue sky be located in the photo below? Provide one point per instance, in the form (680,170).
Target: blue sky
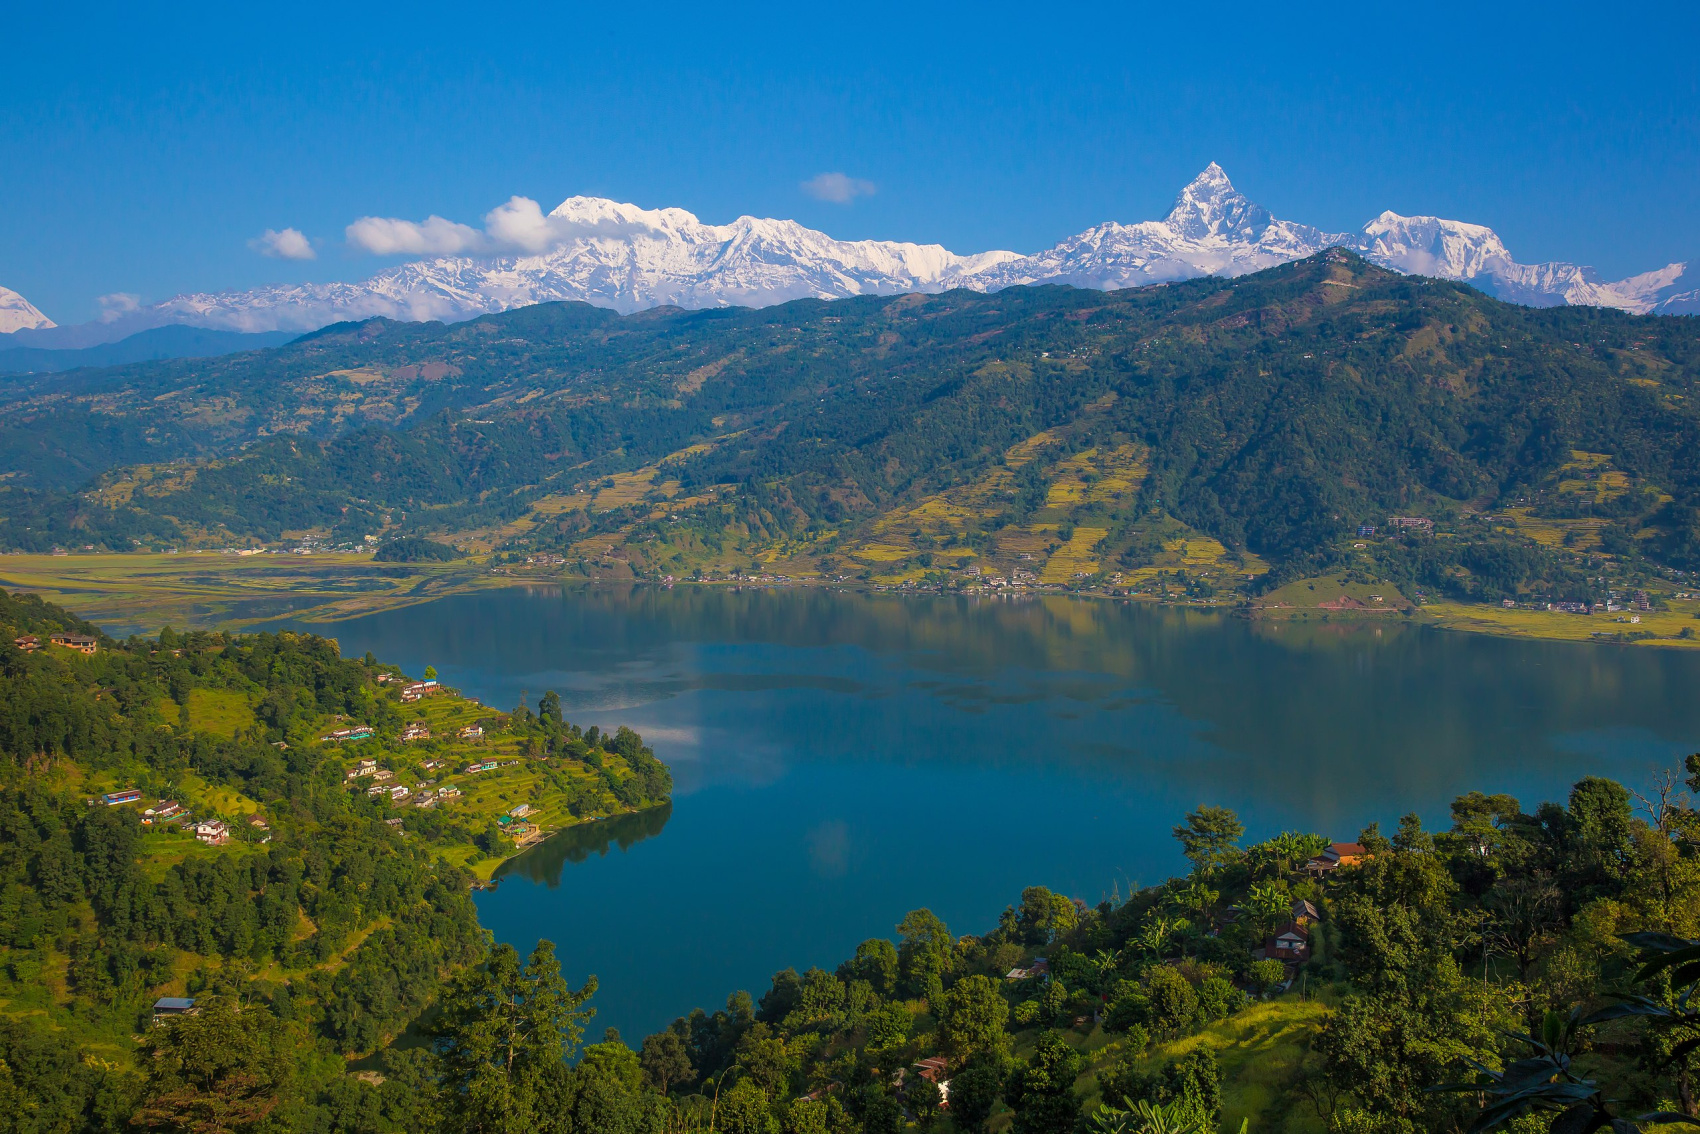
(142,152)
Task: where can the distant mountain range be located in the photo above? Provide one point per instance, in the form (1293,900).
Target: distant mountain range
(627,258)
(175,341)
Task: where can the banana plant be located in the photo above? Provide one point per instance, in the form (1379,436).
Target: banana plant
(1546,1079)
(1149,1118)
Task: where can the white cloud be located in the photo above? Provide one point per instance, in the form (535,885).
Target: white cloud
(837,188)
(288,244)
(117,305)
(521,224)
(388,236)
(518,225)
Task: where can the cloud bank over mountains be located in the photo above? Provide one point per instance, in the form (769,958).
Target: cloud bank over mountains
(628,258)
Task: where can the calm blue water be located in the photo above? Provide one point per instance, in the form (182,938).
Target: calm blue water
(842,758)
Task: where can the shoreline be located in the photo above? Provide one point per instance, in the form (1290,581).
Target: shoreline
(249,592)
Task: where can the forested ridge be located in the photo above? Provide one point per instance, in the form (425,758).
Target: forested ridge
(1274,414)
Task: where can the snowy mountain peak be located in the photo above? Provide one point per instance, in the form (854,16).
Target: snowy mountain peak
(601,213)
(628,258)
(1211,206)
(19,314)
(1432,246)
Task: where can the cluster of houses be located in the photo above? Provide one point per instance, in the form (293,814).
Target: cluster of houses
(165,811)
(934,1069)
(367,769)
(381,785)
(419,690)
(1290,942)
(213,832)
(82,643)
(358,732)
(415,731)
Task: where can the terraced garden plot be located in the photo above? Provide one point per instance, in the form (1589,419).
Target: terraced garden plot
(1577,535)
(1027,548)
(1097,477)
(630,488)
(1074,558)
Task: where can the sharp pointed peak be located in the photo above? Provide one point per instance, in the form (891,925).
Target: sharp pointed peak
(1209,205)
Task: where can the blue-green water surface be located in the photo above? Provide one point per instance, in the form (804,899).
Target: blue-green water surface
(841,758)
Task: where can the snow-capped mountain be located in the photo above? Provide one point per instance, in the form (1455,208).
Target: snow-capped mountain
(611,254)
(19,314)
(629,258)
(1212,230)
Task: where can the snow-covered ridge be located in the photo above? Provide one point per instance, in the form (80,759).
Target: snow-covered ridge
(629,258)
(19,314)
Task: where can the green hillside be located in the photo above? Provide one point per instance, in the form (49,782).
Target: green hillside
(1208,437)
(319,918)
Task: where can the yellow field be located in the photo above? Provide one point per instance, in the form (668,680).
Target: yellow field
(147,591)
(1074,558)
(1667,626)
(1578,534)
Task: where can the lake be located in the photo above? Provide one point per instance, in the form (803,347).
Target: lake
(841,758)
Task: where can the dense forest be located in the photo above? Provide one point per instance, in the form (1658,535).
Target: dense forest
(1522,969)
(312,924)
(1277,414)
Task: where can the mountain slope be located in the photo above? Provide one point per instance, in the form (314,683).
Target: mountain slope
(19,314)
(1051,430)
(627,259)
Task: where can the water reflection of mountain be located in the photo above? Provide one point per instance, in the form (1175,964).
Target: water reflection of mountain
(545,861)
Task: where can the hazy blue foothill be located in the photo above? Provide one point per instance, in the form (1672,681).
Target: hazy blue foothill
(19,356)
(842,758)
